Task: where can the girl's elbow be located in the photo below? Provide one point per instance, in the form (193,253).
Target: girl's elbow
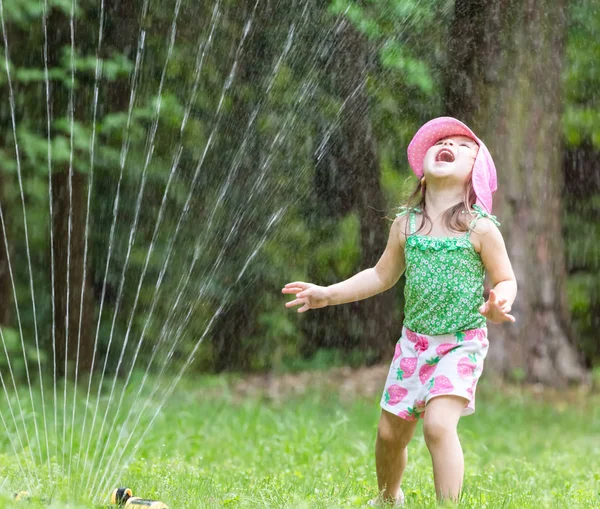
(390,282)
(386,280)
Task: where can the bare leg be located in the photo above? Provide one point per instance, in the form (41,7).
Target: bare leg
(439,427)
(393,435)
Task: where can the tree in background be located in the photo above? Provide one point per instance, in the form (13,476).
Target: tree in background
(382,68)
(348,180)
(505,65)
(581,204)
(314,124)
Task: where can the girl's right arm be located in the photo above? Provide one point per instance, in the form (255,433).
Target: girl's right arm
(361,286)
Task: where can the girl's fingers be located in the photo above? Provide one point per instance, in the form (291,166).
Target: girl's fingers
(503,316)
(500,307)
(304,308)
(294,303)
(496,310)
(291,290)
(299,284)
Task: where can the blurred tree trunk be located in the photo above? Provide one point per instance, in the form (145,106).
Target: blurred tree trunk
(120,35)
(347,179)
(504,79)
(77,331)
(6,295)
(70,282)
(122,27)
(580,198)
(237,323)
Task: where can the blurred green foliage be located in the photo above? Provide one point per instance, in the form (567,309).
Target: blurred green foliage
(582,175)
(247,128)
(582,75)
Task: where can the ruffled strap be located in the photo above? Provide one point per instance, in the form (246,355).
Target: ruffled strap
(407,210)
(482,213)
(411,218)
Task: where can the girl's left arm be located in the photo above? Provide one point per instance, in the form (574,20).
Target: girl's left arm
(497,264)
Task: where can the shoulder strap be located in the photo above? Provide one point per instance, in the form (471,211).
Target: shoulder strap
(412,222)
(412,211)
(479,213)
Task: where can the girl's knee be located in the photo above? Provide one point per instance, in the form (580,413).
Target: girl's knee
(436,429)
(394,431)
(441,418)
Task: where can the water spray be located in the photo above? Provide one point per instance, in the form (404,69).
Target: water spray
(124,497)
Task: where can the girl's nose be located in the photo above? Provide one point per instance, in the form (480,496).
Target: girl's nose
(447,142)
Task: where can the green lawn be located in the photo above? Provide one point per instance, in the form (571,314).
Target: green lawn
(213,448)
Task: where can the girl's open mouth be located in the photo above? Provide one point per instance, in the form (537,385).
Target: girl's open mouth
(445,155)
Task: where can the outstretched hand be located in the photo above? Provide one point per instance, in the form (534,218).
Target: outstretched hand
(496,309)
(308,295)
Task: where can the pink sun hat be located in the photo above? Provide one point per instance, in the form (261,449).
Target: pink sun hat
(484,171)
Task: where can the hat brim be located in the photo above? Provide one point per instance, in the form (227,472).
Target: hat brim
(484,171)
(429,134)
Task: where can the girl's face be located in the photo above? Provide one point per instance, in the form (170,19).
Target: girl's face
(451,158)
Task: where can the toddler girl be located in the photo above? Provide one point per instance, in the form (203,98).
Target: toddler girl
(445,240)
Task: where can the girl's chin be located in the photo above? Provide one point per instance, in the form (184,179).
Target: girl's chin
(446,178)
(442,170)
(438,172)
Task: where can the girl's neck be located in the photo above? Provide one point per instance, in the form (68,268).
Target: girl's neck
(440,200)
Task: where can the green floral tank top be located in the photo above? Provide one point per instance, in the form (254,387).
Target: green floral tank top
(444,281)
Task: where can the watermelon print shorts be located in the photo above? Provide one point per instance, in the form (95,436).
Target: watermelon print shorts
(428,366)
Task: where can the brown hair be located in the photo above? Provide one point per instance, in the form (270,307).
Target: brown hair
(454,218)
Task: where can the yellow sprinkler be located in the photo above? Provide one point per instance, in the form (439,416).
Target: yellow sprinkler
(124,497)
(22,495)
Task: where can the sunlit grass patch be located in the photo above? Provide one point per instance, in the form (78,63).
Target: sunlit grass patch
(212,448)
